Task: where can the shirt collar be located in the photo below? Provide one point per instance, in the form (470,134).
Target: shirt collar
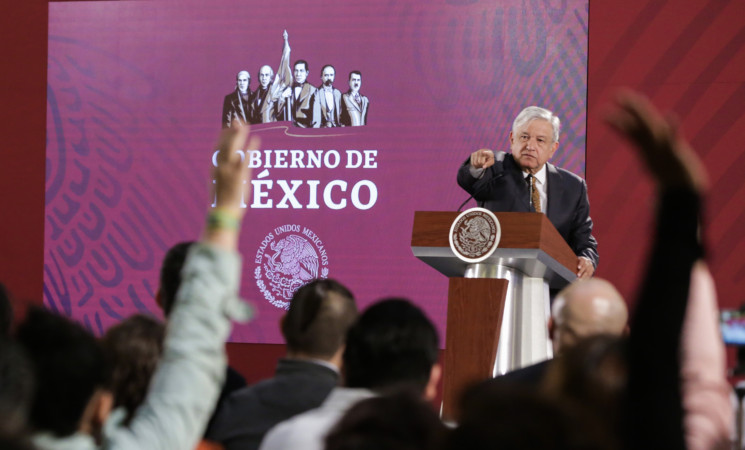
(323,363)
(540,176)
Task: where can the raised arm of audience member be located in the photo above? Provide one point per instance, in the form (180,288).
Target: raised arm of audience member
(708,418)
(187,382)
(653,415)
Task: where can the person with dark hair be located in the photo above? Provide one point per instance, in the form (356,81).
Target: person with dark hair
(17,383)
(328,99)
(235,108)
(302,104)
(70,403)
(499,416)
(392,346)
(15,442)
(317,322)
(170,281)
(186,384)
(17,377)
(397,421)
(170,275)
(133,348)
(354,106)
(315,329)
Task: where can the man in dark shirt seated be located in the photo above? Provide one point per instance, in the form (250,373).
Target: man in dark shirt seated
(314,328)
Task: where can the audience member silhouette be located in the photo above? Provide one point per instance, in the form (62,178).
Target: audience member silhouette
(70,403)
(17,385)
(315,329)
(397,421)
(133,348)
(392,346)
(165,297)
(502,416)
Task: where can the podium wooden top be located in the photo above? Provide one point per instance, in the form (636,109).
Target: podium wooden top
(529,243)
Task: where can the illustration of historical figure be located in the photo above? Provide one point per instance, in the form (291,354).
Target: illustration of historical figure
(268,102)
(235,107)
(354,106)
(328,99)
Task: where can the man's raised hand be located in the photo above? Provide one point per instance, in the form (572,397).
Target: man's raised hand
(481,159)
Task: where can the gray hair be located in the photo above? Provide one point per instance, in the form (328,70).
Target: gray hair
(271,71)
(238,75)
(536,112)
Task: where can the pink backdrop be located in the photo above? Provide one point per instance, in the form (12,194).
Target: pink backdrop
(135,93)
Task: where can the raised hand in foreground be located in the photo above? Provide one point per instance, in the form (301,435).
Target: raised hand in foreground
(668,157)
(232,180)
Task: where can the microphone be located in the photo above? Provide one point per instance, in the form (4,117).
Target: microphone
(479,190)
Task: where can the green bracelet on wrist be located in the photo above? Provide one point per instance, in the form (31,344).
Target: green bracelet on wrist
(222,220)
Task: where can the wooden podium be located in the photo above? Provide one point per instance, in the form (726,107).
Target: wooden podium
(497,309)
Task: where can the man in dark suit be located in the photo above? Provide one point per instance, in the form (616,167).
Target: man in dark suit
(304,111)
(354,105)
(524,181)
(235,105)
(263,105)
(315,329)
(328,98)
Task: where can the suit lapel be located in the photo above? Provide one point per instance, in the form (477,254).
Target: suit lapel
(521,198)
(553,191)
(350,101)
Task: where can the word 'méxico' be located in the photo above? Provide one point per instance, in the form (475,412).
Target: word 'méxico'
(336,194)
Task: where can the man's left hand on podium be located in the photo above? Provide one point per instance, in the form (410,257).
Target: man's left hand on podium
(585,269)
